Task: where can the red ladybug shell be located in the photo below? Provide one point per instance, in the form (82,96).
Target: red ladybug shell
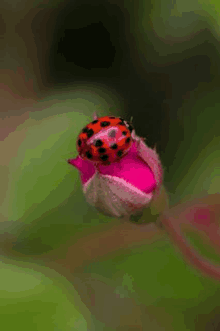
(105,140)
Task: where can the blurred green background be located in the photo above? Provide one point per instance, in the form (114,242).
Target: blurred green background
(64,266)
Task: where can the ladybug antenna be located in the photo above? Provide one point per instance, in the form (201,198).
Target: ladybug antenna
(95,117)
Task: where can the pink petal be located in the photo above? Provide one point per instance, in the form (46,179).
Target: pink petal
(85,168)
(133,170)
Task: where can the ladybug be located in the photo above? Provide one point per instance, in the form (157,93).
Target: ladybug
(105,140)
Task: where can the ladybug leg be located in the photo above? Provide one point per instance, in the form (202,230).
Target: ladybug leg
(137,139)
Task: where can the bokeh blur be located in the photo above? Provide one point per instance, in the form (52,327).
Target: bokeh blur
(64,266)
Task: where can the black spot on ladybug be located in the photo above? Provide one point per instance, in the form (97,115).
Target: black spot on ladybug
(111,117)
(121,119)
(119,153)
(79,142)
(94,122)
(115,146)
(89,155)
(104,124)
(121,123)
(102,150)
(104,157)
(124,133)
(98,143)
(128,140)
(90,133)
(84,130)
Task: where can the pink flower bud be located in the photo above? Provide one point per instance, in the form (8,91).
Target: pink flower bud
(125,187)
(199,216)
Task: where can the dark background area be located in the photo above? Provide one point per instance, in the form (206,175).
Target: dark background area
(60,44)
(94,41)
